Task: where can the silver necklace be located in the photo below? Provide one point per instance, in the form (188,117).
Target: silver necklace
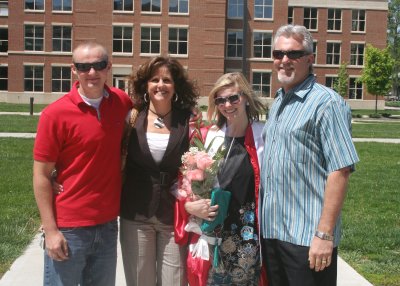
(159,121)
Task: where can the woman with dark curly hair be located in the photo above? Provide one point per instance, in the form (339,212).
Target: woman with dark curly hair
(164,96)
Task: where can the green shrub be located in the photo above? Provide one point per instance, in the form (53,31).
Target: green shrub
(375,115)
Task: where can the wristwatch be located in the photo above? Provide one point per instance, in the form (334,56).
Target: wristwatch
(323,235)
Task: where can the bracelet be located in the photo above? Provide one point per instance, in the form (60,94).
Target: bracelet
(324,236)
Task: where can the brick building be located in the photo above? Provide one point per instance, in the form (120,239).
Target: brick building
(209,37)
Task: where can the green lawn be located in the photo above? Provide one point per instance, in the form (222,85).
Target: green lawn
(18,123)
(19,218)
(371,217)
(372,111)
(376,129)
(14,107)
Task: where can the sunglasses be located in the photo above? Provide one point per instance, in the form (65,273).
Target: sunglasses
(85,67)
(234,98)
(293,55)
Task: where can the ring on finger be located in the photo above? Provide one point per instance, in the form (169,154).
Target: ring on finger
(323,261)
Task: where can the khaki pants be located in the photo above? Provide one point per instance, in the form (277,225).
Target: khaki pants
(150,254)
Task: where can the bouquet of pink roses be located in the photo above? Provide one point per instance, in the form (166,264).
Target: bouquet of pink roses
(199,173)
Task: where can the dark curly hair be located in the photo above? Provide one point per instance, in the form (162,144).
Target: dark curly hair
(186,89)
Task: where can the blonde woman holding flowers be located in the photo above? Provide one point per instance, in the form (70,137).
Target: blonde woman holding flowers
(236,109)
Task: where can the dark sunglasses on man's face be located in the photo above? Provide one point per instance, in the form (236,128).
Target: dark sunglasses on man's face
(293,55)
(85,67)
(234,98)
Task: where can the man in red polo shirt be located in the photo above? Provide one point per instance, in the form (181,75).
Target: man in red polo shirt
(79,135)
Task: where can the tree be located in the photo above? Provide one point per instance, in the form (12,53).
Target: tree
(342,82)
(377,72)
(394,42)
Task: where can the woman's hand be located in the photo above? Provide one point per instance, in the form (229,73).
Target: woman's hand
(201,208)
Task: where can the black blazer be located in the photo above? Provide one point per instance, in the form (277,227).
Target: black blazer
(147,186)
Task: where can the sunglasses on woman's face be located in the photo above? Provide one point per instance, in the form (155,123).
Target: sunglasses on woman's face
(293,55)
(234,98)
(85,67)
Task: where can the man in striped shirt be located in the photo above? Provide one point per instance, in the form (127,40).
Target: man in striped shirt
(308,158)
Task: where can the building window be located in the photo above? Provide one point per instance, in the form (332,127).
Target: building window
(357,54)
(358,20)
(3,8)
(262,83)
(234,47)
(122,39)
(263,9)
(333,54)
(33,78)
(334,19)
(62,38)
(179,6)
(150,40)
(355,88)
(123,5)
(235,9)
(62,5)
(315,46)
(121,82)
(34,5)
(3,78)
(34,37)
(290,15)
(3,40)
(60,79)
(311,18)
(330,81)
(178,41)
(262,45)
(151,5)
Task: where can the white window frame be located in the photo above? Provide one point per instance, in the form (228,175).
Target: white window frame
(34,38)
(315,51)
(62,39)
(238,47)
(123,40)
(151,27)
(333,54)
(34,79)
(150,12)
(180,4)
(35,4)
(336,18)
(356,21)
(310,18)
(355,88)
(4,40)
(333,78)
(178,41)
(124,7)
(264,6)
(3,8)
(63,9)
(356,56)
(4,79)
(65,69)
(259,87)
(263,47)
(238,7)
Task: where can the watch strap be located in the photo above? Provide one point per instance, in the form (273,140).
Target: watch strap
(324,236)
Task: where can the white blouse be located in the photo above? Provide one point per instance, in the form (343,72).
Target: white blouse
(157,145)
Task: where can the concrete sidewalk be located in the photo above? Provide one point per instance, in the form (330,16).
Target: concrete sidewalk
(28,270)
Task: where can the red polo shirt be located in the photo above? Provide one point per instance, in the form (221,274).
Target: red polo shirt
(85,145)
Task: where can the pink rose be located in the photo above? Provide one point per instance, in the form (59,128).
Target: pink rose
(195,175)
(204,161)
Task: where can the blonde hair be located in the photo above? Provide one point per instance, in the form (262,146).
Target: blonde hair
(255,107)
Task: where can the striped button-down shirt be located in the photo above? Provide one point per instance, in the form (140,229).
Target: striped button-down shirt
(307,136)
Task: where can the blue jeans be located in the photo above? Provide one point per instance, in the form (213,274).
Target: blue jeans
(92,257)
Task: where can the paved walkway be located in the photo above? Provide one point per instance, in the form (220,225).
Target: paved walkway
(28,270)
